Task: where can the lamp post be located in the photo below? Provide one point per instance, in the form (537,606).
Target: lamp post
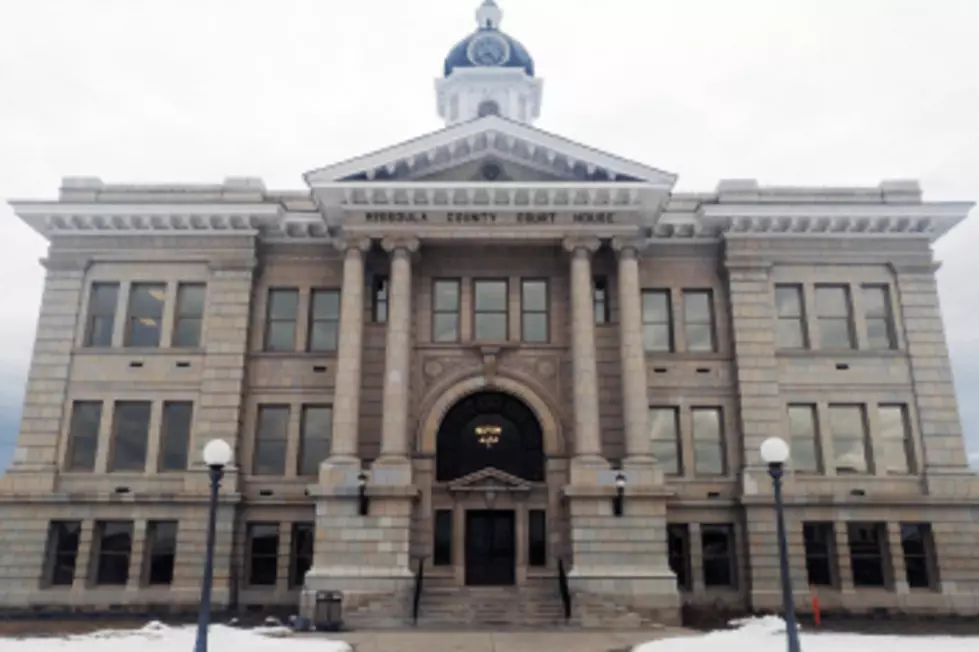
(217,455)
(775,452)
(619,494)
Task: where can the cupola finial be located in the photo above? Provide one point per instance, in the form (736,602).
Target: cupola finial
(489,15)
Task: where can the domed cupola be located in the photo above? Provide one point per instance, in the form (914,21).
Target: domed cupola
(488,73)
(488,46)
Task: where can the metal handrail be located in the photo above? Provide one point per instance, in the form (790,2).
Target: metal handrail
(562,579)
(419,582)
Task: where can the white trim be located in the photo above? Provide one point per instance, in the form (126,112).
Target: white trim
(488,126)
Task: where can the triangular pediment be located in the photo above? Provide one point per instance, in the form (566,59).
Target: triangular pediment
(489,479)
(457,153)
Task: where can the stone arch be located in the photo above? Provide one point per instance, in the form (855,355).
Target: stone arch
(550,425)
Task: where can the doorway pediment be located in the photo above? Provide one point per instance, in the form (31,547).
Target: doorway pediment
(489,479)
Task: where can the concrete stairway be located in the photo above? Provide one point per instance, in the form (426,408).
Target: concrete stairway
(534,606)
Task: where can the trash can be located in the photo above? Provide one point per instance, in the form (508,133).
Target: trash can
(328,614)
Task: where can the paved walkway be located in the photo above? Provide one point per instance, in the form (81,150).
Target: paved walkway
(571,641)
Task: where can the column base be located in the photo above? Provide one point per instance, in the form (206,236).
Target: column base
(642,471)
(587,470)
(391,470)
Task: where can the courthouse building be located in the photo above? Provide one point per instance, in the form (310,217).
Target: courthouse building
(491,327)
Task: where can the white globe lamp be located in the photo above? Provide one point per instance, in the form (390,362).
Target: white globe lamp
(217,452)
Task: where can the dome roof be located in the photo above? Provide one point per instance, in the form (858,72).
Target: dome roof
(488,47)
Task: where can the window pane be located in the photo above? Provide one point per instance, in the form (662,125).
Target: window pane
(442,554)
(832,301)
(115,540)
(879,333)
(534,296)
(62,551)
(190,299)
(790,334)
(835,333)
(145,314)
(446,327)
(302,552)
(491,327)
(535,327)
(663,432)
(707,441)
(326,304)
(849,438)
(263,539)
(655,307)
(324,336)
(176,436)
(491,296)
(281,336)
(187,332)
(866,554)
(283,304)
(718,551)
(379,300)
(788,301)
(537,537)
(656,337)
(895,438)
(678,551)
(131,424)
(696,306)
(446,296)
(819,551)
(317,437)
(84,441)
(600,298)
(700,337)
(802,431)
(270,440)
(162,542)
(102,311)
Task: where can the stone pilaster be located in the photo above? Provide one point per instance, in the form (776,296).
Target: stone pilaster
(587,437)
(944,460)
(346,398)
(397,371)
(639,463)
(45,415)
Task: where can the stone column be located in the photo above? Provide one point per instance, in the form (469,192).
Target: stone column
(346,396)
(587,436)
(635,400)
(397,372)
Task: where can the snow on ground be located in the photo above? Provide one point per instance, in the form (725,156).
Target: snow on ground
(156,637)
(768,635)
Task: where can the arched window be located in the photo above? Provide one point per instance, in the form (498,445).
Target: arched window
(490,429)
(488,107)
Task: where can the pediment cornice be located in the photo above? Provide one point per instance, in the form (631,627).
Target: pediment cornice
(489,479)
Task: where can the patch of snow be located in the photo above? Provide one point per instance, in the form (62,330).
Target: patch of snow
(767,634)
(157,637)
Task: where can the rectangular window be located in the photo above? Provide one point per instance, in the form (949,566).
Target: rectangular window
(113,546)
(175,439)
(130,435)
(379,300)
(533,311)
(263,554)
(603,313)
(537,539)
(918,546)
(719,557)
(301,559)
(820,548)
(102,305)
(698,320)
(442,545)
(83,436)
(895,439)
(271,432)
(490,308)
(791,328)
(316,437)
(324,320)
(189,319)
(878,317)
(145,319)
(161,551)
(445,310)
(833,313)
(280,319)
(664,430)
(678,546)
(867,553)
(62,552)
(708,441)
(848,427)
(657,321)
(803,439)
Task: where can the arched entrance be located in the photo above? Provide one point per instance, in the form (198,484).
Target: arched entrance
(490,429)
(490,495)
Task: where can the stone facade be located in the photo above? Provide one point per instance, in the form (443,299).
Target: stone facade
(493,354)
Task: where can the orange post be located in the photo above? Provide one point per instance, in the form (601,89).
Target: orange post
(815,606)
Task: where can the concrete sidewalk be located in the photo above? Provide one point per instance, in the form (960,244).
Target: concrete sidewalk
(488,641)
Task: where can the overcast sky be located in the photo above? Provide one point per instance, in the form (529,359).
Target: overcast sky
(818,92)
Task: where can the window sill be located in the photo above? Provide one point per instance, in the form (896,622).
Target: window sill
(305,355)
(691,356)
(135,350)
(836,353)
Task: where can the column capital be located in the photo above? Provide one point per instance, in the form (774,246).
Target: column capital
(347,244)
(628,246)
(586,244)
(399,243)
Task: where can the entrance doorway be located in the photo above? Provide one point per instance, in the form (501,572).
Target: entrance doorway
(491,552)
